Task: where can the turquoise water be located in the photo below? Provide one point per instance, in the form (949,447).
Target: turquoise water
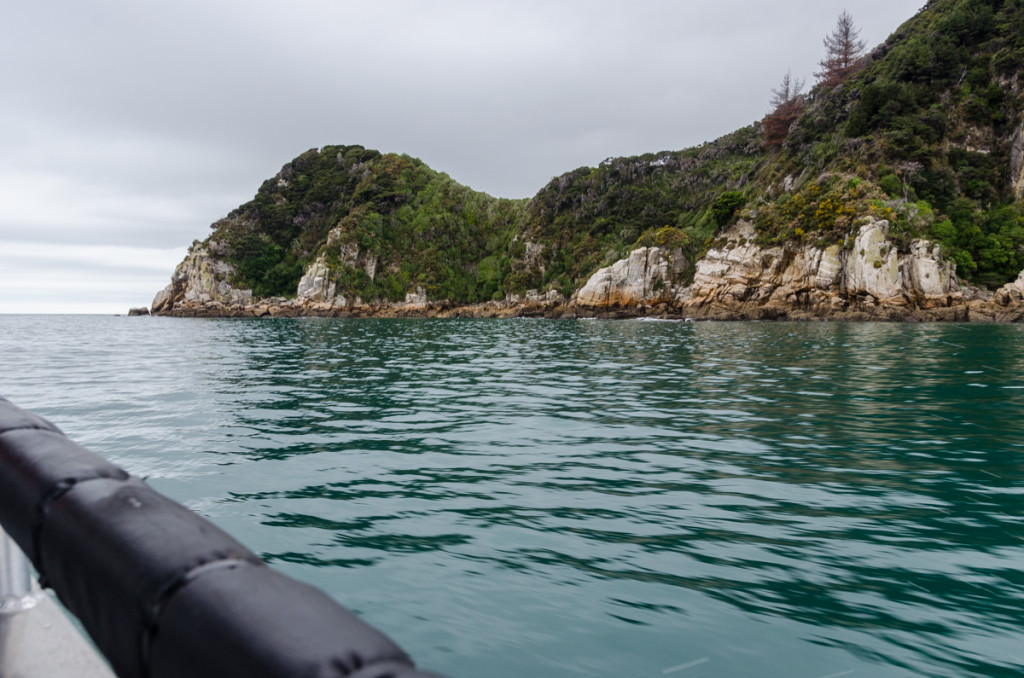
(586,498)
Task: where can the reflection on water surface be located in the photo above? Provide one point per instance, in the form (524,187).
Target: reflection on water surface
(567,498)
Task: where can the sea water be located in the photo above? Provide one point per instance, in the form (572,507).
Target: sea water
(587,498)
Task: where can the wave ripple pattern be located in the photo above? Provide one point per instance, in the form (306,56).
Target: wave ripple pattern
(582,498)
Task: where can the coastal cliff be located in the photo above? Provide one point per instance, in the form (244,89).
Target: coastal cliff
(867,279)
(864,279)
(893,192)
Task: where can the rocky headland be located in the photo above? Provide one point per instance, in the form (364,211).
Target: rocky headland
(893,190)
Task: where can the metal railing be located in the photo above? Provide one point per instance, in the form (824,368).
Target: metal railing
(16,592)
(161,591)
(37,640)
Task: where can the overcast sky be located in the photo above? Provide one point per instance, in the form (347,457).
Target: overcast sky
(128,127)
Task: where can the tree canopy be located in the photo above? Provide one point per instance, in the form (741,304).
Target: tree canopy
(843,47)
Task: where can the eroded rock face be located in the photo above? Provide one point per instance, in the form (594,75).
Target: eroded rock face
(873,265)
(739,270)
(200,280)
(866,279)
(926,274)
(1011,293)
(417,298)
(316,284)
(869,273)
(1017,163)
(639,279)
(317,287)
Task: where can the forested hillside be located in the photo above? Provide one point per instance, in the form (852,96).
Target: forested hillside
(924,130)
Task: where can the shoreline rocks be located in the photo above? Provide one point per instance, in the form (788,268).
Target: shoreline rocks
(864,279)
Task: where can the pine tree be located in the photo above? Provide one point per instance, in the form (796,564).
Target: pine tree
(843,47)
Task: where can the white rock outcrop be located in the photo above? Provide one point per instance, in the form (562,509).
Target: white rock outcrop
(1011,293)
(1017,162)
(739,278)
(641,278)
(201,280)
(873,265)
(870,271)
(316,284)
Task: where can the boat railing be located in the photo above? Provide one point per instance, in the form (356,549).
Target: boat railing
(161,591)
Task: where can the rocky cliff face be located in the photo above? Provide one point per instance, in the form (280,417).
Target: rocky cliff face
(868,276)
(863,279)
(642,278)
(316,285)
(1017,163)
(866,279)
(201,281)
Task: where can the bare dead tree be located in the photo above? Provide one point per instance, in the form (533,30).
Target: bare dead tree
(843,47)
(906,172)
(787,103)
(788,90)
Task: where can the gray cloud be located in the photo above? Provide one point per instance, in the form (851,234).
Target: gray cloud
(139,124)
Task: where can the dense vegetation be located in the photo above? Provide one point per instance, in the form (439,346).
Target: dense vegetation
(928,120)
(919,131)
(417,226)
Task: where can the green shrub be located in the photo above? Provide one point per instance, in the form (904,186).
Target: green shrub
(892,185)
(724,207)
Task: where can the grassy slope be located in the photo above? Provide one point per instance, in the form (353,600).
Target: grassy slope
(921,135)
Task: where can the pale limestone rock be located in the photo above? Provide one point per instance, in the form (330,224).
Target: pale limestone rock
(370,266)
(533,252)
(551,297)
(554,297)
(629,282)
(926,273)
(162,300)
(830,268)
(199,280)
(416,298)
(1011,293)
(349,254)
(738,269)
(873,265)
(1017,162)
(204,279)
(316,284)
(742,276)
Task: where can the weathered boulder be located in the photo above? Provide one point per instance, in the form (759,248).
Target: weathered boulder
(926,275)
(163,301)
(138,311)
(1010,293)
(641,278)
(873,266)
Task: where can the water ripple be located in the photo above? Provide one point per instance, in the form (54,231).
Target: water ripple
(586,498)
